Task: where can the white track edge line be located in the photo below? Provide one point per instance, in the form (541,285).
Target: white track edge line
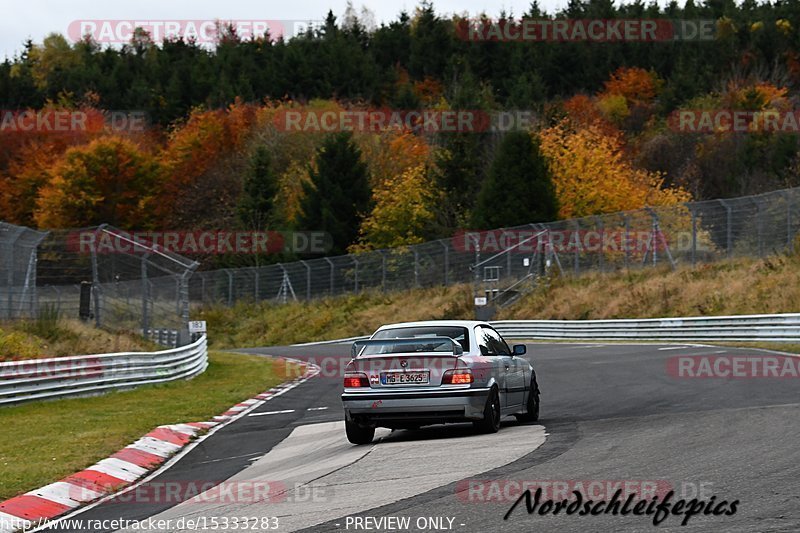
(182,453)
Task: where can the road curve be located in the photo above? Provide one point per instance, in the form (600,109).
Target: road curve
(610,414)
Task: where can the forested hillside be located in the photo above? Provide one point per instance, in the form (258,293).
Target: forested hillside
(216,154)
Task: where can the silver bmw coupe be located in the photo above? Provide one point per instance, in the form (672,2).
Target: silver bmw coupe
(413,374)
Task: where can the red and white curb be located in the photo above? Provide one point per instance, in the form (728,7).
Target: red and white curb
(105,479)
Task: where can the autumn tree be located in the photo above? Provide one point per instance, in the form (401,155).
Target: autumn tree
(338,195)
(519,189)
(202,167)
(592,174)
(405,211)
(106,181)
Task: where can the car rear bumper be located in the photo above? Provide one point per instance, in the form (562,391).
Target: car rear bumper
(393,406)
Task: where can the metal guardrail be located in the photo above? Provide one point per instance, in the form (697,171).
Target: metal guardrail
(769,328)
(36,379)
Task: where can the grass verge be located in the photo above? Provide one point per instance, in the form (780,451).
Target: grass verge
(45,441)
(268,324)
(743,286)
(51,336)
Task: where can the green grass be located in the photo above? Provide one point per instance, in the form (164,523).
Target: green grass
(43,442)
(270,324)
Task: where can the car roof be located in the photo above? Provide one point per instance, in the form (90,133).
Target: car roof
(461,323)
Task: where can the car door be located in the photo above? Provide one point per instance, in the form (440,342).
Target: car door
(501,363)
(514,368)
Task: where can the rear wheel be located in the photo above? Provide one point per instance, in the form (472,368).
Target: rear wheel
(358,434)
(532,405)
(491,414)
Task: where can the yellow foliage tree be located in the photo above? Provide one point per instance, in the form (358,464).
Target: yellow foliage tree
(593,176)
(404,212)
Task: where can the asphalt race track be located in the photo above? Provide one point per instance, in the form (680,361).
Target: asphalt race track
(611,414)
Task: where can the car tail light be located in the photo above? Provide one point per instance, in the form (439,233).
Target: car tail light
(356,380)
(457,377)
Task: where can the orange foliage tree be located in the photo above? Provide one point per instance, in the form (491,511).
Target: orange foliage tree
(106,181)
(593,176)
(202,165)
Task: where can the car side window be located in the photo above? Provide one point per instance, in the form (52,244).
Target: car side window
(497,345)
(483,341)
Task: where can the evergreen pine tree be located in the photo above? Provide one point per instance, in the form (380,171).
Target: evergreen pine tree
(519,189)
(339,194)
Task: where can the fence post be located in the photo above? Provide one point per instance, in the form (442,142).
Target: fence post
(96,290)
(332,267)
(627,244)
(416,268)
(256,283)
(355,263)
(230,287)
(446,262)
(577,255)
(759,228)
(601,253)
(694,234)
(729,230)
(145,288)
(383,270)
(789,239)
(308,278)
(10,263)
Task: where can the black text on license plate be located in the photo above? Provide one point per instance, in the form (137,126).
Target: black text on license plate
(404,378)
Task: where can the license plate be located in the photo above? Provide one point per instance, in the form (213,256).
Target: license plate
(405,378)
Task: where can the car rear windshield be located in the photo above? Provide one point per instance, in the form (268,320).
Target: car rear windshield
(457,333)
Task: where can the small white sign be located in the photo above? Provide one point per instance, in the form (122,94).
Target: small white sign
(480,300)
(526,261)
(197,326)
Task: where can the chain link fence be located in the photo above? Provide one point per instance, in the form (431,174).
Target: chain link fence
(504,263)
(117,280)
(18,256)
(129,284)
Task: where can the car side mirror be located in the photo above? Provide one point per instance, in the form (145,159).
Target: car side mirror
(458,349)
(520,349)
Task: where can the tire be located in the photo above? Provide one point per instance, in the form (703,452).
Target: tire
(491,414)
(358,434)
(532,405)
